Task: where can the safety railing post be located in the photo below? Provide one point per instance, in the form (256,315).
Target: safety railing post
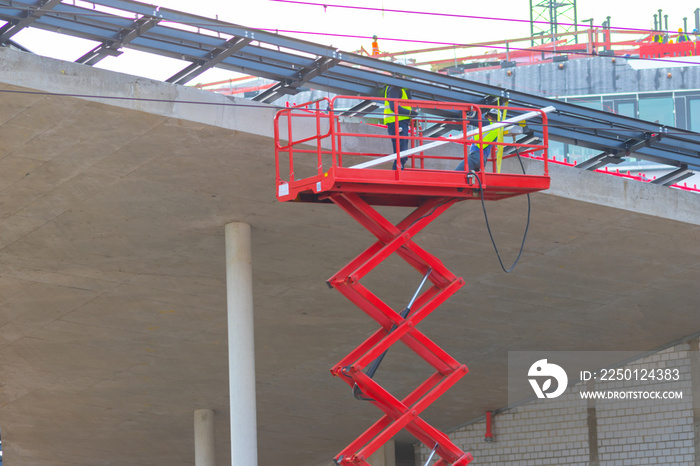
(290,145)
(545,137)
(465,146)
(336,143)
(480,143)
(397,143)
(276,130)
(318,138)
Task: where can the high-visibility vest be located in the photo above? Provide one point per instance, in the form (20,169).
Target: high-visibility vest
(375,48)
(389,115)
(488,136)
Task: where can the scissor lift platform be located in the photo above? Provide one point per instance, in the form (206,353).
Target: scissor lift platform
(329,177)
(380,187)
(333,168)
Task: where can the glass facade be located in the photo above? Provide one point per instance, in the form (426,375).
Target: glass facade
(657,109)
(627,108)
(680,109)
(595,104)
(694,114)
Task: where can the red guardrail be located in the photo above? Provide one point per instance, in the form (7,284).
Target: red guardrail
(314,129)
(681,49)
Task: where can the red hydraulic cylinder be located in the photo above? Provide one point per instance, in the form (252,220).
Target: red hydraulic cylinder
(488,437)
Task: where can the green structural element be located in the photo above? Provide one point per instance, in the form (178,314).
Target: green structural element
(550,17)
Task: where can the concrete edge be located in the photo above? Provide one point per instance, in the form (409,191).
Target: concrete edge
(50,75)
(617,192)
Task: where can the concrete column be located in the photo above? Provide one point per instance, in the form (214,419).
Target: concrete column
(204,446)
(241,350)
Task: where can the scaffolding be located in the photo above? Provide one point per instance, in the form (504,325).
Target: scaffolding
(550,17)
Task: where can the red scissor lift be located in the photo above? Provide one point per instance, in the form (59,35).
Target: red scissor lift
(327,160)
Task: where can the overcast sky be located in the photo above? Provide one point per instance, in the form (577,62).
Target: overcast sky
(307,18)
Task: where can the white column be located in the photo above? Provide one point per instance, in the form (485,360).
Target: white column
(204,446)
(241,349)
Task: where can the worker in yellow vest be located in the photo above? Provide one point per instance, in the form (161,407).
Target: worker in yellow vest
(473,161)
(682,36)
(397,119)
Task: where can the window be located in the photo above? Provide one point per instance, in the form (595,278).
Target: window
(657,109)
(626,108)
(580,154)
(694,110)
(556,149)
(595,104)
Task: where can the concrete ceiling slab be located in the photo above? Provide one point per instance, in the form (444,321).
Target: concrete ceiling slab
(112,281)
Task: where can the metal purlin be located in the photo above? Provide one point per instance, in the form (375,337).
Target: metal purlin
(405,413)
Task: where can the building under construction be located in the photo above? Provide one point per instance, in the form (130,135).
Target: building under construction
(189,276)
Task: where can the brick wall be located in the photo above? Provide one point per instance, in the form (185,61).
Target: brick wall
(569,430)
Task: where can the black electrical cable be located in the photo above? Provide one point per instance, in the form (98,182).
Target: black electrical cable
(488,227)
(142,99)
(372,369)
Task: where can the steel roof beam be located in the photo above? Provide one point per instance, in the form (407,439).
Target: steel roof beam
(32,13)
(212,59)
(61,21)
(615,157)
(111,48)
(219,26)
(18,46)
(674,177)
(527,139)
(321,65)
(600,160)
(363,108)
(436,130)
